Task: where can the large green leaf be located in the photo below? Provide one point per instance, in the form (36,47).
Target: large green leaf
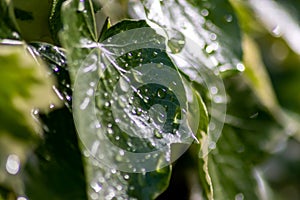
(83,53)
(211,24)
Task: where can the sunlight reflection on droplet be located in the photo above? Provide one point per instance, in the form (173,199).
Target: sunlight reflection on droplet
(240,67)
(126,176)
(239,196)
(214,90)
(13,164)
(204,12)
(96,186)
(21,198)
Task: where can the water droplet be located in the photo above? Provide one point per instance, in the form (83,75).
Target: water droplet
(240,67)
(212,47)
(52,106)
(129,56)
(158,134)
(68,98)
(204,12)
(131,188)
(130,100)
(143,170)
(94,196)
(146,100)
(126,177)
(124,85)
(212,145)
(214,90)
(110,131)
(35,111)
(107,104)
(136,111)
(212,126)
(13,164)
(161,93)
(96,186)
(105,95)
(21,198)
(161,118)
(276,31)
(228,18)
(177,116)
(81,6)
(138,76)
(175,131)
(176,45)
(122,153)
(213,36)
(239,196)
(119,187)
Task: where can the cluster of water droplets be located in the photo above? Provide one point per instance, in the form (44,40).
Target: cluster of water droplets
(135,105)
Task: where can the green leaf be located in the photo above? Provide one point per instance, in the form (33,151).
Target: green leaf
(82,50)
(55,19)
(107,183)
(230,172)
(248,139)
(32,19)
(119,138)
(211,24)
(55,58)
(79,31)
(8,26)
(24,86)
(58,156)
(55,169)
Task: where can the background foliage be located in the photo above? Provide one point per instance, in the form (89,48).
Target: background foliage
(256,51)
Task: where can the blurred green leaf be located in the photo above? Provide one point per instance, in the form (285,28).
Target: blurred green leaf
(8,25)
(32,19)
(251,135)
(24,82)
(58,156)
(55,170)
